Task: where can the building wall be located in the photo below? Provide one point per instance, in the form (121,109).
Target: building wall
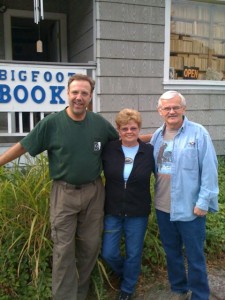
(56,6)
(126,39)
(130,55)
(80,31)
(2,52)
(130,62)
(208,108)
(49,5)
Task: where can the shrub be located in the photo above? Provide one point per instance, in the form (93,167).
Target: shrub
(215,225)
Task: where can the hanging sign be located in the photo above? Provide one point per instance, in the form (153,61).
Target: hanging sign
(34,87)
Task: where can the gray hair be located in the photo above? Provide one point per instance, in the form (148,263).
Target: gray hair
(170,95)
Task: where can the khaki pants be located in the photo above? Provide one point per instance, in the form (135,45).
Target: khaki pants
(76,215)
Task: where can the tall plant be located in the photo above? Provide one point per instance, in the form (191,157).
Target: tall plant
(25,257)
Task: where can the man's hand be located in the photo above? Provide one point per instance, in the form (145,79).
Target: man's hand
(199,212)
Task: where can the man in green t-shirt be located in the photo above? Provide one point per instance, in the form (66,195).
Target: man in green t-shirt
(74,139)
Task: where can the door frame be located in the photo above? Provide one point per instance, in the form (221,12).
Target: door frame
(30,14)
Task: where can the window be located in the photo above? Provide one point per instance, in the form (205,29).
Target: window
(196,42)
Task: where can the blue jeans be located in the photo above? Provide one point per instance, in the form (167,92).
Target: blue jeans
(191,235)
(133,229)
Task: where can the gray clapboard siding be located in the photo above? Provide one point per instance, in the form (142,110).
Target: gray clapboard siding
(127,35)
(130,32)
(79,8)
(82,43)
(158,3)
(115,103)
(151,119)
(148,102)
(2,50)
(84,55)
(130,50)
(130,58)
(129,86)
(80,26)
(131,68)
(216,131)
(219,146)
(207,117)
(118,12)
(80,31)
(218,102)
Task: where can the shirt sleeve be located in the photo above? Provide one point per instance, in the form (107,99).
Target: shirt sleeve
(208,192)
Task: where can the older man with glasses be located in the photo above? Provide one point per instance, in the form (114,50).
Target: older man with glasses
(186,189)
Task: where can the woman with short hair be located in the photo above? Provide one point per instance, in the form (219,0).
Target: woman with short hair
(128,164)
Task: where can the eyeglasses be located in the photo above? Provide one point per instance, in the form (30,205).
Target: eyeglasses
(125,129)
(168,109)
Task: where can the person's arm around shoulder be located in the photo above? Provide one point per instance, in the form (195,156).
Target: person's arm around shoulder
(12,153)
(146,137)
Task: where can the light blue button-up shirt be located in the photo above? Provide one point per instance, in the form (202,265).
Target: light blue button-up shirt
(194,170)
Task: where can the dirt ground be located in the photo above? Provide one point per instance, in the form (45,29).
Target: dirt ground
(160,291)
(155,287)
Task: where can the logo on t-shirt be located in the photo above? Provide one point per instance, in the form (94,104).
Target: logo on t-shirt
(97,146)
(165,157)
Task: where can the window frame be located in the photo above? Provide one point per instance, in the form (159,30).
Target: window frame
(30,14)
(183,84)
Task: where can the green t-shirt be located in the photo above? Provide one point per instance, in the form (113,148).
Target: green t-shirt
(74,147)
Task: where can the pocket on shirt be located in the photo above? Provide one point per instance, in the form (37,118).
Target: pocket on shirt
(189,159)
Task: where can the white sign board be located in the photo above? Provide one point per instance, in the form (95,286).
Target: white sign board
(27,87)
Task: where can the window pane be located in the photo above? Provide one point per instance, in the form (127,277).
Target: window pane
(197,40)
